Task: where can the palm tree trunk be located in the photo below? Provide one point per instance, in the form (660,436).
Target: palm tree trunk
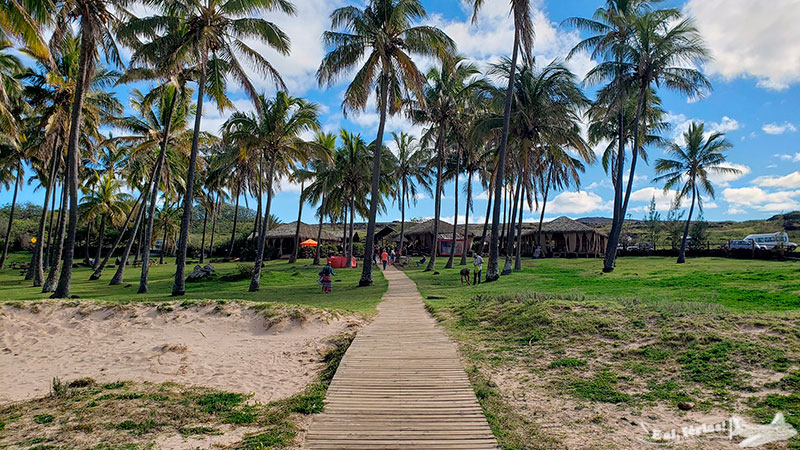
(123,260)
(508,266)
(518,260)
(37,263)
(488,211)
(11,215)
(58,247)
(86,67)
(466,221)
(100,237)
(403,195)
(366,272)
(492,269)
(49,250)
(449,264)
(147,238)
(344,230)
(437,209)
(350,234)
(87,244)
(682,254)
(214,215)
(203,240)
(235,218)
(179,287)
(318,250)
(99,269)
(255,282)
(293,258)
(544,206)
(503,233)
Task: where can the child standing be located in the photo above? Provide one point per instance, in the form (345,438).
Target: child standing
(326,279)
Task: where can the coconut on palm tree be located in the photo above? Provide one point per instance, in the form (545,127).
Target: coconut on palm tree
(690,167)
(383,36)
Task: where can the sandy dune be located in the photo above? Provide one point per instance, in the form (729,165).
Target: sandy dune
(229,347)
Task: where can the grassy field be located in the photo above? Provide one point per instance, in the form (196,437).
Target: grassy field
(127,415)
(280,282)
(735,284)
(560,351)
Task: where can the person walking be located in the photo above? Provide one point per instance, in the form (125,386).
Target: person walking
(384,259)
(477,268)
(326,279)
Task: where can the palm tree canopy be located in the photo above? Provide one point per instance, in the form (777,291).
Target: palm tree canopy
(384,36)
(703,154)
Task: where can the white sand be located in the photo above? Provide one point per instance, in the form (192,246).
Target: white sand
(232,349)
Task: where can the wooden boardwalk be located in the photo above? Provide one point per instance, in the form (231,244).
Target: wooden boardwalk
(400,385)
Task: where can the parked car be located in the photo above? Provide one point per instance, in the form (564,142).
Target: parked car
(772,240)
(741,245)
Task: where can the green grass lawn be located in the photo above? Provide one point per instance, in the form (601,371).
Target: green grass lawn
(734,283)
(280,282)
(560,349)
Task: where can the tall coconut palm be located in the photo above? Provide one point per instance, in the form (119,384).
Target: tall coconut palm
(214,34)
(308,173)
(96,22)
(384,36)
(447,90)
(523,41)
(412,172)
(648,48)
(689,169)
(105,201)
(11,169)
(273,132)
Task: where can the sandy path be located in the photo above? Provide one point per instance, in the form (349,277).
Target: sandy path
(230,347)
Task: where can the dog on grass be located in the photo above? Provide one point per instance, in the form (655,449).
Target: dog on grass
(465,276)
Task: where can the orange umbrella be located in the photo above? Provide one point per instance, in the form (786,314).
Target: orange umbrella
(308,243)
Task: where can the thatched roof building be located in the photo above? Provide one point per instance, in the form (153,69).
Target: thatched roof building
(281,237)
(419,238)
(564,237)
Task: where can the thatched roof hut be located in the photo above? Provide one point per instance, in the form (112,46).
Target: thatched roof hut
(563,237)
(282,237)
(419,238)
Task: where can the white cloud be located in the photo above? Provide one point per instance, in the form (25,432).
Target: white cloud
(724,179)
(725,125)
(775,128)
(581,202)
(791,181)
(759,199)
(663,199)
(751,38)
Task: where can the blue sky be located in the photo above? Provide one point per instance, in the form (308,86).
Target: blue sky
(755,73)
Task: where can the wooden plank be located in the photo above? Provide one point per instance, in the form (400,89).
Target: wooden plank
(401,385)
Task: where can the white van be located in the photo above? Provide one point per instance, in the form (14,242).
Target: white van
(772,240)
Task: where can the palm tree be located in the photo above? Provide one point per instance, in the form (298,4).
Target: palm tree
(274,133)
(50,89)
(104,200)
(648,48)
(167,223)
(11,169)
(690,168)
(411,171)
(523,40)
(444,95)
(384,33)
(323,179)
(96,21)
(214,35)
